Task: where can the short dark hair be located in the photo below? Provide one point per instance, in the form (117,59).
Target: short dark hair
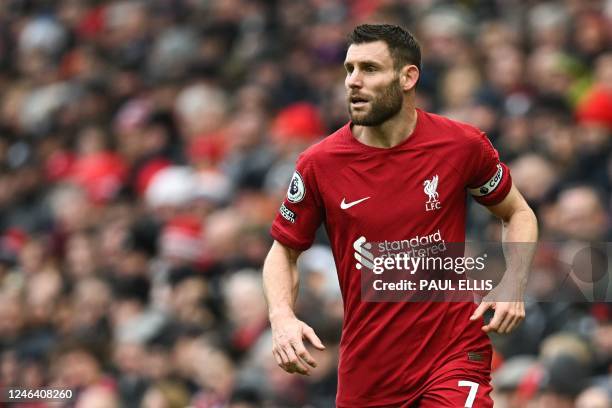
(404,48)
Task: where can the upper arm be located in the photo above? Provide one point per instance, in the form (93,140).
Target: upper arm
(512,203)
(290,254)
(302,210)
(487,178)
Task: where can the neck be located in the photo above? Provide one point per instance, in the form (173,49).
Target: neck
(390,133)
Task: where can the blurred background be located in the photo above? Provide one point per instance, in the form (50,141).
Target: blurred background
(145,147)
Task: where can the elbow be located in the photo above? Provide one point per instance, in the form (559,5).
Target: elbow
(534,221)
(526,212)
(530,215)
(524,216)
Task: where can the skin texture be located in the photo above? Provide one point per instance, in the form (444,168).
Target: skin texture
(386,119)
(372,75)
(280,276)
(386,98)
(519,225)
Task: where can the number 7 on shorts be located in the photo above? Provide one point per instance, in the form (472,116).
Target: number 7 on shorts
(472,394)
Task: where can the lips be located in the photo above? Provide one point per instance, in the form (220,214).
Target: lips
(358,105)
(358,99)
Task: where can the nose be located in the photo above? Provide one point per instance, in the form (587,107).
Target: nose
(353,80)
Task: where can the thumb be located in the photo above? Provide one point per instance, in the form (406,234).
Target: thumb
(480,310)
(312,337)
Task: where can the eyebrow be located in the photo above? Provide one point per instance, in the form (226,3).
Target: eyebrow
(366,62)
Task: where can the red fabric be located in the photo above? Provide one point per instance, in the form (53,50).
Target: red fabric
(101,174)
(188,225)
(300,121)
(14,239)
(183,239)
(484,166)
(530,384)
(210,149)
(147,172)
(596,107)
(449,385)
(364,9)
(389,349)
(92,23)
(497,361)
(59,165)
(602,312)
(244,337)
(449,394)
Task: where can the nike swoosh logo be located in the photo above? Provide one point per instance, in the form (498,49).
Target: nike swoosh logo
(345,205)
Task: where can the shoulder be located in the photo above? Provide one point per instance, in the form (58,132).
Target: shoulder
(453,129)
(327,147)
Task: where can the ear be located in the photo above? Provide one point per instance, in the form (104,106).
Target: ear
(409,75)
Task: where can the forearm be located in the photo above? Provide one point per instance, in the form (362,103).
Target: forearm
(519,240)
(519,237)
(522,226)
(281,280)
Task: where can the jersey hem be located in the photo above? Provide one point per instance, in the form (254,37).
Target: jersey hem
(286,240)
(372,404)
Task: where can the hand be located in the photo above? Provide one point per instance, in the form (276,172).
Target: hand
(507,316)
(288,346)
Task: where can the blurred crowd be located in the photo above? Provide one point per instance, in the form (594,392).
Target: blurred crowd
(145,147)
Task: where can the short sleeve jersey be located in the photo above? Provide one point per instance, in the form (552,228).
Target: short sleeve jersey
(417,188)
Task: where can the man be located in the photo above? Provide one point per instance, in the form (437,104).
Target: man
(368,179)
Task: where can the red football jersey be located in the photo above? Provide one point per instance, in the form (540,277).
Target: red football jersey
(417,188)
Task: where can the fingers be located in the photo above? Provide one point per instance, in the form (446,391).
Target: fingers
(285,363)
(495,322)
(278,358)
(288,346)
(507,320)
(313,338)
(519,316)
(480,310)
(291,362)
(303,354)
(508,315)
(295,360)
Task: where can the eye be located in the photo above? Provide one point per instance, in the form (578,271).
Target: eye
(348,68)
(369,68)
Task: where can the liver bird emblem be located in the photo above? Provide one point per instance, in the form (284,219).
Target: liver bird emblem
(430,189)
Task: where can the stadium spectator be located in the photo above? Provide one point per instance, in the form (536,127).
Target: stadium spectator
(144,146)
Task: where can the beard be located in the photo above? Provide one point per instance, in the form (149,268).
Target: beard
(382,108)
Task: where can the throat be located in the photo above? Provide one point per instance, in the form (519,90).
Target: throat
(389,134)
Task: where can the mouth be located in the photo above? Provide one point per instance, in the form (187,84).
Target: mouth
(358,101)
